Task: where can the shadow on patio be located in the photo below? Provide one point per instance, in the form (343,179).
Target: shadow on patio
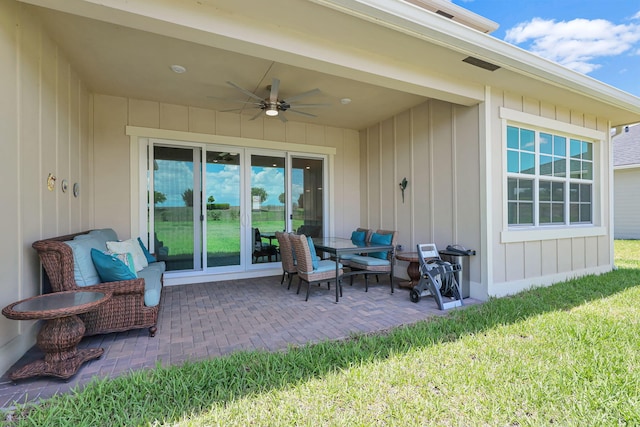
(206,320)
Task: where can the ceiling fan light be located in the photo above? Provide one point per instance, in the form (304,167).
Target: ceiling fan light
(271,111)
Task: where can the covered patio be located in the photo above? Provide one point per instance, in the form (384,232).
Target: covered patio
(207,320)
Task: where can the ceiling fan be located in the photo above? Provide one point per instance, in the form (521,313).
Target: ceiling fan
(272,105)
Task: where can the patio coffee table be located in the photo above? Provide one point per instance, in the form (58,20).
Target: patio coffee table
(59,336)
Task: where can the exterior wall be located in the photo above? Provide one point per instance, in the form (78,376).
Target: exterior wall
(627,203)
(112,152)
(435,146)
(520,265)
(44,117)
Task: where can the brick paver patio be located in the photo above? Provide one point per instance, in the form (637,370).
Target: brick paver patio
(207,320)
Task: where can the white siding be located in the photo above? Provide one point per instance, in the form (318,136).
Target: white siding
(44,118)
(627,203)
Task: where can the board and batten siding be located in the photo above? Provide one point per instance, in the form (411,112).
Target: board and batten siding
(45,126)
(519,265)
(435,146)
(627,203)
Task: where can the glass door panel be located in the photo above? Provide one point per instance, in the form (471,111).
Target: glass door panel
(307,196)
(176,211)
(222,197)
(268,206)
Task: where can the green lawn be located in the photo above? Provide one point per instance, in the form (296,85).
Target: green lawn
(565,355)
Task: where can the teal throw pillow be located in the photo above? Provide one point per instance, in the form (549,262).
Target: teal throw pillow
(110,268)
(358,236)
(312,250)
(380,239)
(147,254)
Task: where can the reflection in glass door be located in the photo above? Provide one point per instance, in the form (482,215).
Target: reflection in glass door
(177,230)
(307,196)
(268,206)
(222,198)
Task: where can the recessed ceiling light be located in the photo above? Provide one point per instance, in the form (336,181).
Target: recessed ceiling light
(345,101)
(179,69)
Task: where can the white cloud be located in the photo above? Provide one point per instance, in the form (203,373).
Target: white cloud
(576,44)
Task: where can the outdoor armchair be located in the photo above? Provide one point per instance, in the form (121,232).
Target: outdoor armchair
(310,270)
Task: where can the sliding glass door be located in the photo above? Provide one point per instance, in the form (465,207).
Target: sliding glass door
(216,208)
(307,196)
(268,205)
(223,223)
(177,229)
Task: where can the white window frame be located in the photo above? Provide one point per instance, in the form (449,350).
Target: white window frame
(523,233)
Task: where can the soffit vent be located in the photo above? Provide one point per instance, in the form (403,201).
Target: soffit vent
(445,14)
(480,63)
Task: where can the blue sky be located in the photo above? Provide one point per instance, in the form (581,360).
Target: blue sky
(599,38)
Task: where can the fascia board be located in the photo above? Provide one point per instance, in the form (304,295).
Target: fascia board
(412,20)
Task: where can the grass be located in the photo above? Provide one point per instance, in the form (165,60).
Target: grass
(565,355)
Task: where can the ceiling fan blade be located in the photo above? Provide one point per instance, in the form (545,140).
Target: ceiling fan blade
(218,98)
(301,113)
(282,118)
(246,92)
(273,95)
(301,95)
(310,105)
(257,115)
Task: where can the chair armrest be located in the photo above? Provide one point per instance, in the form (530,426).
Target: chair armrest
(122,287)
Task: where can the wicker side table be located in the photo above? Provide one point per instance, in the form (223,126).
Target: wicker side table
(59,336)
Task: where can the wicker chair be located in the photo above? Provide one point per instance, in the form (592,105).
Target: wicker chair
(325,272)
(368,265)
(344,259)
(124,311)
(286,255)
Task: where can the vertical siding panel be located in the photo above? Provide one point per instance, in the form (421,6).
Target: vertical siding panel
(10,119)
(111,165)
(442,173)
(144,113)
(549,257)
(174,117)
(404,169)
(514,265)
(74,149)
(275,130)
(202,120)
(373,176)
(31,180)
(591,252)
(564,255)
(49,135)
(388,183)
(228,124)
(363,142)
(532,259)
(421,185)
(296,133)
(253,129)
(62,123)
(578,253)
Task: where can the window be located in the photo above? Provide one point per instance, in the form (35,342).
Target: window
(549,178)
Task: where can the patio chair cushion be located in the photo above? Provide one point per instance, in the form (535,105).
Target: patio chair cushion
(326,265)
(369,260)
(152,275)
(130,246)
(150,258)
(312,249)
(358,236)
(380,239)
(84,272)
(103,236)
(111,268)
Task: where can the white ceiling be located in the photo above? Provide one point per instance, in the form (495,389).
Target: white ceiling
(385,62)
(121,61)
